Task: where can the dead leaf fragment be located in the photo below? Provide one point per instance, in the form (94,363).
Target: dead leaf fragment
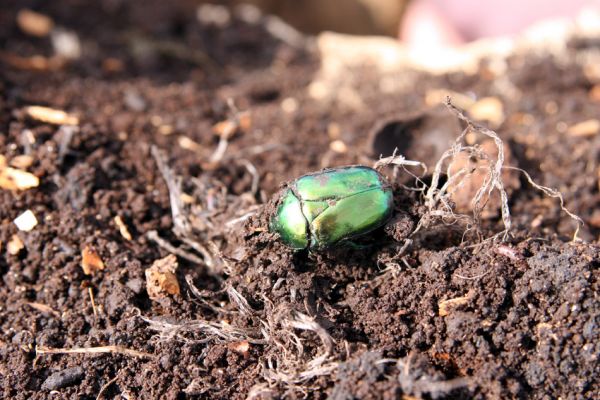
(15,179)
(51,115)
(26,221)
(160,278)
(91,261)
(34,23)
(586,128)
(15,245)
(123,230)
(445,306)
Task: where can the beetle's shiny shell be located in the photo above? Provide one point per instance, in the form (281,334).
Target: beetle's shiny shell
(321,209)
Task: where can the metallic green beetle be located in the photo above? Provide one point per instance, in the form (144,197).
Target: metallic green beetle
(320,209)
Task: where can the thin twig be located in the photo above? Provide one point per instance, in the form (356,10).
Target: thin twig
(94,350)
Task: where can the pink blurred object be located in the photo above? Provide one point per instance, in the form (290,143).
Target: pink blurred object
(443,23)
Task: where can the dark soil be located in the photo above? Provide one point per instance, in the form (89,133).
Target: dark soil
(527,326)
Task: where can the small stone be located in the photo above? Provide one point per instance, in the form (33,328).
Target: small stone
(64,378)
(26,221)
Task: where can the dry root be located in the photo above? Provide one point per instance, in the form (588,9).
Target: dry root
(438,197)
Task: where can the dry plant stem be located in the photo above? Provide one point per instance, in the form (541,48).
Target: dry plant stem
(94,350)
(213,332)
(181,224)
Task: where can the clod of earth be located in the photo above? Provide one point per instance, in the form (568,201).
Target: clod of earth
(322,209)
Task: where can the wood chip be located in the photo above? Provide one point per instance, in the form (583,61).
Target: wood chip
(91,261)
(488,109)
(34,23)
(26,221)
(15,179)
(445,306)
(160,278)
(23,161)
(15,245)
(586,128)
(51,115)
(123,230)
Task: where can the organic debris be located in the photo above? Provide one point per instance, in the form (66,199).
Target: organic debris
(34,23)
(51,115)
(446,306)
(586,128)
(161,280)
(91,261)
(16,179)
(123,230)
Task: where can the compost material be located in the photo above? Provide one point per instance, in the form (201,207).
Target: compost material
(148,171)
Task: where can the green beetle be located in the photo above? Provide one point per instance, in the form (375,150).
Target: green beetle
(321,209)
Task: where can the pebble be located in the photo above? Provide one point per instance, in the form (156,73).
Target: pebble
(64,378)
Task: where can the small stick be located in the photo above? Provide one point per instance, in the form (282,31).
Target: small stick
(93,302)
(93,350)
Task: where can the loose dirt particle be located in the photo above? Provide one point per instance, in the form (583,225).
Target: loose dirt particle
(26,221)
(51,115)
(15,245)
(160,278)
(91,261)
